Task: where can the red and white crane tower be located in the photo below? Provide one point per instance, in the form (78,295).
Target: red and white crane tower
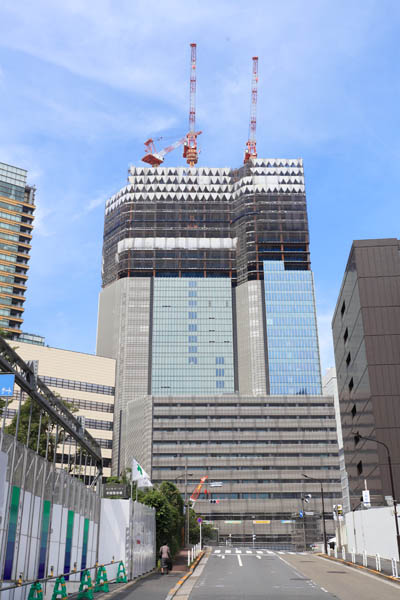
(251,150)
(190,149)
(189,141)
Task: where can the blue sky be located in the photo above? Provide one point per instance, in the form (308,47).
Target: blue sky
(83,84)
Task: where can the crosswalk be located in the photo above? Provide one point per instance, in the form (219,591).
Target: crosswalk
(262,552)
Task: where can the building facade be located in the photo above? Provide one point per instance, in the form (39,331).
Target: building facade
(208,292)
(366,331)
(17,205)
(85,381)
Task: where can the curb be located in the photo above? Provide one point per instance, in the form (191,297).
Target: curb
(356,566)
(174,590)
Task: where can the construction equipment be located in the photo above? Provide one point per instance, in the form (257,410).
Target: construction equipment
(189,141)
(251,150)
(190,148)
(197,490)
(154,158)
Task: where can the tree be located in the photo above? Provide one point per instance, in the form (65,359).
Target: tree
(47,428)
(47,438)
(168,518)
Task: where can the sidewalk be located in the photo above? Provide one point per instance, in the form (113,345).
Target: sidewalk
(180,562)
(153,587)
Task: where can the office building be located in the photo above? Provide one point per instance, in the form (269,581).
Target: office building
(85,381)
(208,302)
(330,388)
(366,331)
(17,205)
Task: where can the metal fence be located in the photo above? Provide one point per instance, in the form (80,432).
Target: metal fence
(141,551)
(388,566)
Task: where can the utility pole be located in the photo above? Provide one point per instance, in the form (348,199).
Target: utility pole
(323,510)
(187,506)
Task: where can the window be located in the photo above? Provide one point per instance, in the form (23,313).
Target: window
(353,411)
(192,283)
(192,293)
(220,360)
(348,359)
(192,303)
(192,360)
(220,384)
(192,315)
(192,349)
(192,327)
(219,372)
(343,308)
(346,335)
(192,339)
(351,384)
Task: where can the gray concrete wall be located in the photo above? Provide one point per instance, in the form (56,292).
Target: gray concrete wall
(124,333)
(251,346)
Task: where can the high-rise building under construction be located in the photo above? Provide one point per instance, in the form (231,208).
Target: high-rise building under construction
(208,306)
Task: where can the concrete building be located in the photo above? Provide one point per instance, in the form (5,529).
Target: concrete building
(330,389)
(17,205)
(85,381)
(208,293)
(366,331)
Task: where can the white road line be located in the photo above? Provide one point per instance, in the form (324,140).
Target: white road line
(269,552)
(292,552)
(240,560)
(223,557)
(258,551)
(217,551)
(227,551)
(249,552)
(259,557)
(280,552)
(238,552)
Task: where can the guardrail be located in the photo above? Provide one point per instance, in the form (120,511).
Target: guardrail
(86,585)
(389,566)
(193,553)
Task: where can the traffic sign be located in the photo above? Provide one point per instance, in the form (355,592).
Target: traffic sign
(301,514)
(261,522)
(7,381)
(199,520)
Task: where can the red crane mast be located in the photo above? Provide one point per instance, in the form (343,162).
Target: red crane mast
(251,150)
(190,149)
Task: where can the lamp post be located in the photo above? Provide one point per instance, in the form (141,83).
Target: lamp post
(357,437)
(323,509)
(179,476)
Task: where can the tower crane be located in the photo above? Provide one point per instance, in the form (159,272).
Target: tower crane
(189,141)
(154,158)
(190,148)
(251,150)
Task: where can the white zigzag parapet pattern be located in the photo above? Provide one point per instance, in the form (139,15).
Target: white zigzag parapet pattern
(266,175)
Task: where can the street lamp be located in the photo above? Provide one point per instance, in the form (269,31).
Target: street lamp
(323,509)
(357,438)
(179,476)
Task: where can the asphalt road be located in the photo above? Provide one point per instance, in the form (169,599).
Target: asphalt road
(247,574)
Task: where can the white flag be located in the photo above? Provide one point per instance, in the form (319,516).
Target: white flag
(144,482)
(138,473)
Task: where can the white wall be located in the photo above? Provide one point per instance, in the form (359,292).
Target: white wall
(114,524)
(372,530)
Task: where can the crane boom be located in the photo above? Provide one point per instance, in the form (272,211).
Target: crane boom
(251,149)
(190,148)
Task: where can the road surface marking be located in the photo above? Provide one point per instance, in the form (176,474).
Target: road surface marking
(258,551)
(217,551)
(238,552)
(223,557)
(269,552)
(240,560)
(280,552)
(259,557)
(249,552)
(228,551)
(292,552)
